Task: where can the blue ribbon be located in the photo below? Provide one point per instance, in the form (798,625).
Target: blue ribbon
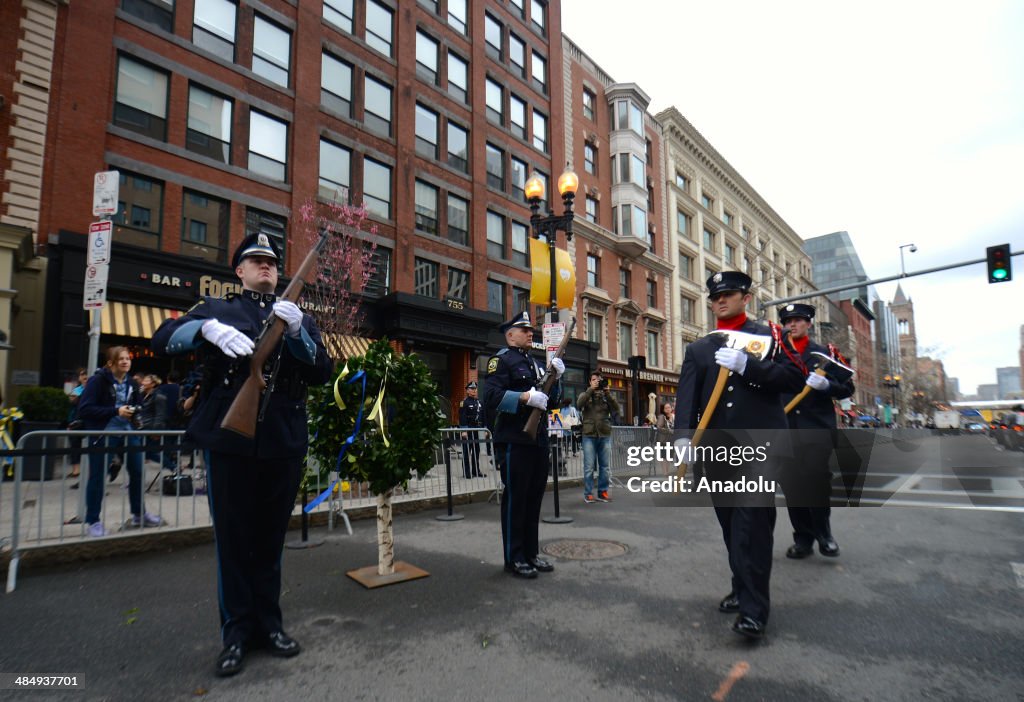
(360,375)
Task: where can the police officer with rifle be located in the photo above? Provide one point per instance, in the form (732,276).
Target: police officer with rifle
(253,473)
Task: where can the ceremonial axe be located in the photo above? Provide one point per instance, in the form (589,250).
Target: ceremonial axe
(756,345)
(825,365)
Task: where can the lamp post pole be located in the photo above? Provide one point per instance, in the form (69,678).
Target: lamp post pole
(903,269)
(549,225)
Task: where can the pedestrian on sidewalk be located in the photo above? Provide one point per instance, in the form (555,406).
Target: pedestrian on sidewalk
(251,483)
(597,406)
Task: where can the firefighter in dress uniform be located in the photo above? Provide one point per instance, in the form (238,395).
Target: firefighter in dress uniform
(471,415)
(252,482)
(523,461)
(750,410)
(808,481)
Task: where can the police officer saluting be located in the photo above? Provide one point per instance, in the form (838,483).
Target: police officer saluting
(252,482)
(523,461)
(814,423)
(471,414)
(751,401)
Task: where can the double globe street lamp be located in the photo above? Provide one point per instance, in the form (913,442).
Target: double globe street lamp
(549,225)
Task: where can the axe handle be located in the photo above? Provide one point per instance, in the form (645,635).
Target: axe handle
(705,419)
(803,393)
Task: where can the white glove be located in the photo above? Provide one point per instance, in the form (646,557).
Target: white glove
(290,313)
(558,365)
(228,339)
(818,382)
(537,399)
(733,359)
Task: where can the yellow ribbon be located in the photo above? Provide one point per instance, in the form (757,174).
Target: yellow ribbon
(7,416)
(377,414)
(337,394)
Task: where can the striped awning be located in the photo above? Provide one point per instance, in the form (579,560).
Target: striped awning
(350,345)
(138,321)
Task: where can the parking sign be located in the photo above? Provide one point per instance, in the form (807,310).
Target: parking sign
(99,242)
(94,296)
(105,187)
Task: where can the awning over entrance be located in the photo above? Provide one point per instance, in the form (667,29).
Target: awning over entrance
(139,321)
(349,345)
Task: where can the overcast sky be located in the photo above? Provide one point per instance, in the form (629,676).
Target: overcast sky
(898,121)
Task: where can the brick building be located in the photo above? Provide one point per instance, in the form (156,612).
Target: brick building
(224,117)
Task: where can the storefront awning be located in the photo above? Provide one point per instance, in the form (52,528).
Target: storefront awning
(349,345)
(138,321)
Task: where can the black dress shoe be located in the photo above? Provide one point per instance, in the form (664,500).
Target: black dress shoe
(282,645)
(749,627)
(541,565)
(828,547)
(229,662)
(729,604)
(521,569)
(799,551)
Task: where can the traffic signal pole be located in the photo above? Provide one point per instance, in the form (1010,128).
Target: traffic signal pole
(865,283)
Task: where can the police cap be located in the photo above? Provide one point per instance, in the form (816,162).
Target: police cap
(471,385)
(258,244)
(521,320)
(796,310)
(728,281)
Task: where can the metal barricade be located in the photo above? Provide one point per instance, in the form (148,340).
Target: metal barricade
(44,512)
(625,439)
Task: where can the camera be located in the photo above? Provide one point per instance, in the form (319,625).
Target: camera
(603,384)
(136,418)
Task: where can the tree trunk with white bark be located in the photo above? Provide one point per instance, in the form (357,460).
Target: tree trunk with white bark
(385,535)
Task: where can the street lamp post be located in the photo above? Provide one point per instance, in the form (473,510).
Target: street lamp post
(913,249)
(549,225)
(892,382)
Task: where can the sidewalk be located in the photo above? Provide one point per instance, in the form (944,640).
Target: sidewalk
(922,602)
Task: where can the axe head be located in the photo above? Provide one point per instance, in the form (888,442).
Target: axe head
(833,368)
(756,345)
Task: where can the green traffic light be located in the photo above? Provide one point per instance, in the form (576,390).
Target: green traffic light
(999,273)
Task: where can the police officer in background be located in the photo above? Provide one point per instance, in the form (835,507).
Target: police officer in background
(751,401)
(807,480)
(509,396)
(471,414)
(252,482)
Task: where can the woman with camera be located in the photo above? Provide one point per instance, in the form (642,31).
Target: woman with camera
(109,402)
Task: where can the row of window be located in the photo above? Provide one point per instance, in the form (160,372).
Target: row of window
(336,173)
(708,203)
(517,111)
(500,44)
(625,281)
(595,333)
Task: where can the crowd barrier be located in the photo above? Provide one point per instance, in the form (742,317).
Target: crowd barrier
(39,508)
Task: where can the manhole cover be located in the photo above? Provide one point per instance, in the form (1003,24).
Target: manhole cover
(584,549)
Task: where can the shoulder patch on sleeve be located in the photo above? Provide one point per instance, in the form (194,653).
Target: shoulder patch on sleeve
(492,365)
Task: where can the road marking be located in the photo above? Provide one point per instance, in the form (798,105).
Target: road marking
(1018,570)
(738,671)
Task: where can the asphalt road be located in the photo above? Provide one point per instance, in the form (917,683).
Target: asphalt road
(923,603)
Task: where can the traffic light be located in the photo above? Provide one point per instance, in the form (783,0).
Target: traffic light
(999,268)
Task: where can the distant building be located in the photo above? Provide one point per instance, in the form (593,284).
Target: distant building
(1008,380)
(988,392)
(953,387)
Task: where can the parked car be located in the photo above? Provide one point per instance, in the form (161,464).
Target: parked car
(977,428)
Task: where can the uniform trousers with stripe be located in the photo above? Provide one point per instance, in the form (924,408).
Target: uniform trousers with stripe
(251,500)
(524,471)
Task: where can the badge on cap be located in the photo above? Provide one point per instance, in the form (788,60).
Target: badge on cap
(263,240)
(716,278)
(790,308)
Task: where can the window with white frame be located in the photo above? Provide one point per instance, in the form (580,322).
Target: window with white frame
(591,205)
(590,159)
(589,101)
(593,271)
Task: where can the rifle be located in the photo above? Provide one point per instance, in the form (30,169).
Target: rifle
(242,416)
(548,381)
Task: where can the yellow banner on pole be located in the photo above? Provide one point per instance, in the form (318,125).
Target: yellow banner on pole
(540,284)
